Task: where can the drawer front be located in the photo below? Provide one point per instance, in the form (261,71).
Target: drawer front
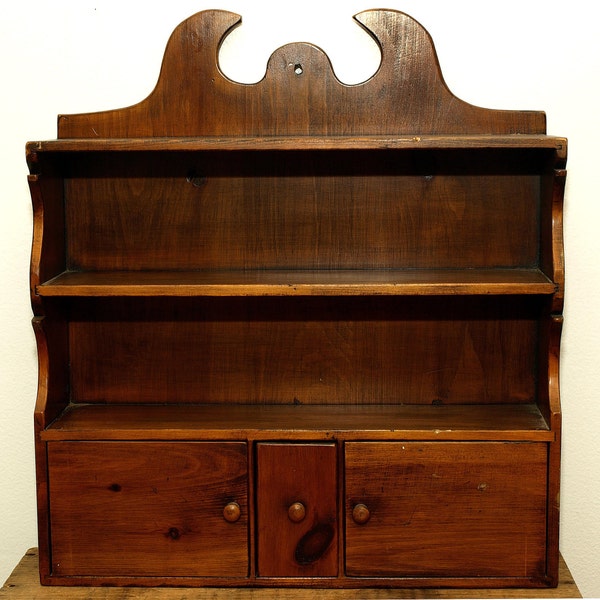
(148,508)
(445,509)
(296,510)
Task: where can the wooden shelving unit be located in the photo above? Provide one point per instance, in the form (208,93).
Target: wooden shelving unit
(298,333)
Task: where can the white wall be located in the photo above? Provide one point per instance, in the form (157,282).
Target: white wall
(80,56)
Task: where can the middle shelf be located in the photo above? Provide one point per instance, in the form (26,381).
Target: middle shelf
(399,282)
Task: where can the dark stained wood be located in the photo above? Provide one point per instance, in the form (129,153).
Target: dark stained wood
(485,502)
(48,251)
(554,419)
(298,332)
(147,508)
(408,89)
(283,143)
(53,376)
(556,263)
(52,399)
(303,211)
(367,350)
(292,540)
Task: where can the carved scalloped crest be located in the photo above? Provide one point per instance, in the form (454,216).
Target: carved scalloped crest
(299,94)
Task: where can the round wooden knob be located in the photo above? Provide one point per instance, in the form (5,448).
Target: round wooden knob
(232,512)
(296,512)
(361,514)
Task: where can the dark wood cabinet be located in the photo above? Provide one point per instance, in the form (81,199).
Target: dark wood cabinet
(298,332)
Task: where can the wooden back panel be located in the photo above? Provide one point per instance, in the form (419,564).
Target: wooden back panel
(305,210)
(460,350)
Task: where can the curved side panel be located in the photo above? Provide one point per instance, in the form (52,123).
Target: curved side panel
(43,371)
(48,256)
(554,453)
(36,245)
(553,370)
(299,94)
(549,405)
(40,420)
(52,399)
(558,259)
(47,259)
(52,349)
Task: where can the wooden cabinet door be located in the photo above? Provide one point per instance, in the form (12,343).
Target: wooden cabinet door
(148,508)
(445,509)
(296,510)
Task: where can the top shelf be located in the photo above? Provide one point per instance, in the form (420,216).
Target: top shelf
(299,143)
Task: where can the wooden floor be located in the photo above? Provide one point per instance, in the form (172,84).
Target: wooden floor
(23,584)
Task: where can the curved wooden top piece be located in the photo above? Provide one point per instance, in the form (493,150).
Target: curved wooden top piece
(299,94)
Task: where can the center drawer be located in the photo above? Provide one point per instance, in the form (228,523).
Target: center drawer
(297,510)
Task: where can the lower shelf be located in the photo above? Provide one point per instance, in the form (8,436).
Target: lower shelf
(510,422)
